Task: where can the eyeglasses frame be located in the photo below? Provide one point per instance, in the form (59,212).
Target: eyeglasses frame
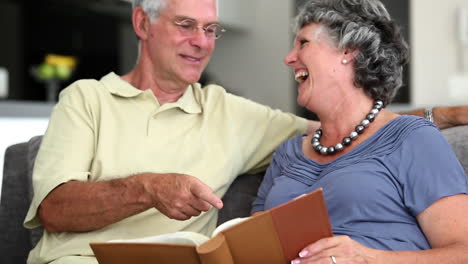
(179,23)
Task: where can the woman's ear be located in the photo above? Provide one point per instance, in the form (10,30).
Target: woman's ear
(349,55)
(141,23)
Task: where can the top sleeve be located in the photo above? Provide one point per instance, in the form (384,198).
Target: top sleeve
(66,150)
(274,170)
(429,169)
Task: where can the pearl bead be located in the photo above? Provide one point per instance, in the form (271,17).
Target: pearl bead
(353,135)
(370,117)
(374,111)
(365,122)
(339,147)
(359,129)
(331,150)
(324,150)
(346,141)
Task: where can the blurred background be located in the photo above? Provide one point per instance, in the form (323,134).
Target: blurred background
(98,36)
(47,44)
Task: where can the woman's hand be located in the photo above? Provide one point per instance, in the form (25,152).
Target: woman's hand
(343,249)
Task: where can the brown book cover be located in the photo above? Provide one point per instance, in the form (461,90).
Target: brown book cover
(273,236)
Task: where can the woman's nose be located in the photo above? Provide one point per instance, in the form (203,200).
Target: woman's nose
(291,58)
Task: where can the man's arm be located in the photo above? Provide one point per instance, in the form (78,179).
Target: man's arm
(85,206)
(312,126)
(445,116)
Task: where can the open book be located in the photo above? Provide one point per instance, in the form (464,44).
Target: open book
(273,236)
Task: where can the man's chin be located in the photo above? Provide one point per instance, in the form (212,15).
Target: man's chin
(194,78)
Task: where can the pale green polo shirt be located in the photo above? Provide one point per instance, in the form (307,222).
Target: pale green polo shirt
(107,129)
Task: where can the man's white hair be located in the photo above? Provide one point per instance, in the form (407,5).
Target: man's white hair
(151,7)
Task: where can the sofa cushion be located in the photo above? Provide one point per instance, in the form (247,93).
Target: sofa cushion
(458,139)
(239,197)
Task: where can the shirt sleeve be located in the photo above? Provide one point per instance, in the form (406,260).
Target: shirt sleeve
(66,150)
(429,169)
(261,130)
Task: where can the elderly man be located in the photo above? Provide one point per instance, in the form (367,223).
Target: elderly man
(134,155)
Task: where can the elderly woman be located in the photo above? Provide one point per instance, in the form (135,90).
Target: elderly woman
(393,187)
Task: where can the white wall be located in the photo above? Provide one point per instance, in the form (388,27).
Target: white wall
(436,53)
(249,59)
(19,122)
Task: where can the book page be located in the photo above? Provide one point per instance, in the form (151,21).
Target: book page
(184,237)
(181,238)
(228,224)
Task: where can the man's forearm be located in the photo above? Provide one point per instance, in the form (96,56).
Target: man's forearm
(445,116)
(85,206)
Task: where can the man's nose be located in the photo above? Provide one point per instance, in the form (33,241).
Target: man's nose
(200,40)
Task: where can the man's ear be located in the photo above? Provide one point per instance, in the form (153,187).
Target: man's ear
(141,23)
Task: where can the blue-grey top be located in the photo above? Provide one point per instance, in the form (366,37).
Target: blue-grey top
(374,192)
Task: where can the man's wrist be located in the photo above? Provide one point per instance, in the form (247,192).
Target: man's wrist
(429,114)
(445,116)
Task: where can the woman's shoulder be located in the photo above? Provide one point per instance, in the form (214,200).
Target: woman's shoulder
(415,135)
(399,132)
(415,126)
(407,125)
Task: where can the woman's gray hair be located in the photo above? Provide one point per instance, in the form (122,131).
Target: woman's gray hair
(151,7)
(365,26)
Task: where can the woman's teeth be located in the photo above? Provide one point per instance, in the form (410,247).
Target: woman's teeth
(300,77)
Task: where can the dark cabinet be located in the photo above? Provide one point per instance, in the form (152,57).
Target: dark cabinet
(91,31)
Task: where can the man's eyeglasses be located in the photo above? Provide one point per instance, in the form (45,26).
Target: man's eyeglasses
(189,27)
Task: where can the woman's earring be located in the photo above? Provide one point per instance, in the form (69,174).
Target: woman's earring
(344,61)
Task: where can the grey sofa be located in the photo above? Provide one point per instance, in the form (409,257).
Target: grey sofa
(16,241)
(17,192)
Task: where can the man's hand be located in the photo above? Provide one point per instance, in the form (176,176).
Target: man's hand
(179,196)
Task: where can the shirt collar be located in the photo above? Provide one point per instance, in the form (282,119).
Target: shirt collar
(119,87)
(187,102)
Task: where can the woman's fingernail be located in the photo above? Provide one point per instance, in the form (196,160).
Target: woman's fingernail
(295,261)
(303,253)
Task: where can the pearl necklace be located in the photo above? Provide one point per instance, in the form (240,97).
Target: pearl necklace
(370,117)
